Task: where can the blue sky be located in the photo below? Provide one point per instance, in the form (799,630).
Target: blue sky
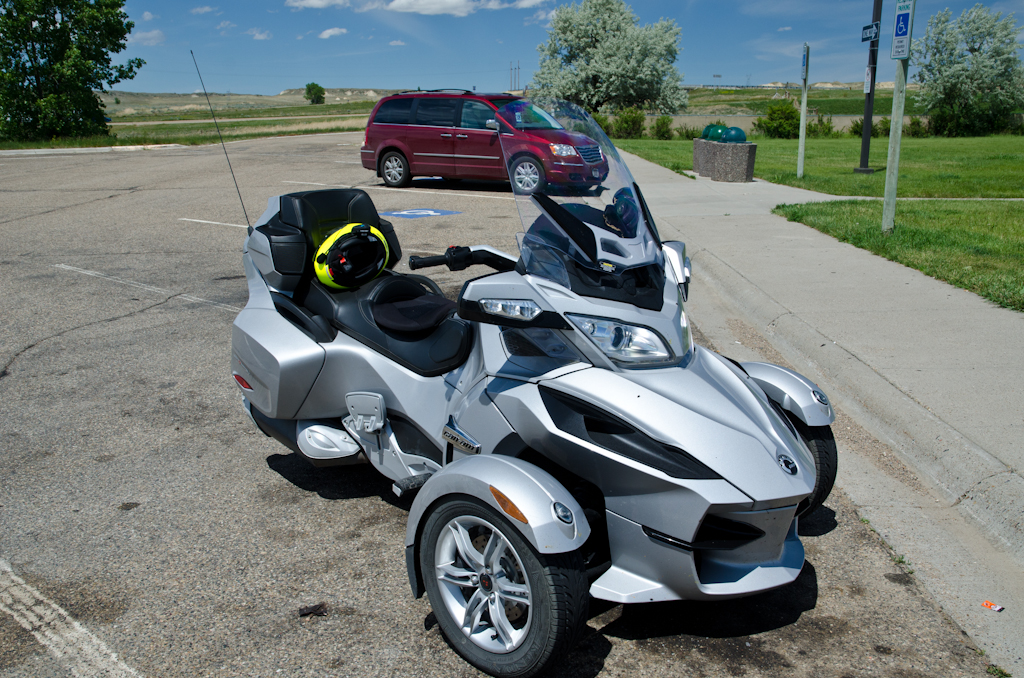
(265,46)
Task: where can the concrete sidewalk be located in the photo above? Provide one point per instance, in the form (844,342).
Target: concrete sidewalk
(932,371)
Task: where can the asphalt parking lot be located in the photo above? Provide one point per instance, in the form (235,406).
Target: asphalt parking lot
(139,498)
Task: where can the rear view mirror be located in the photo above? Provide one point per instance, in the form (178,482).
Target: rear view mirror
(491,124)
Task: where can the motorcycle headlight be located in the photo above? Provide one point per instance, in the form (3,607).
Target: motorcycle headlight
(562,149)
(624,343)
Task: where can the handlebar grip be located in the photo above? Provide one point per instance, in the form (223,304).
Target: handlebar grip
(424,262)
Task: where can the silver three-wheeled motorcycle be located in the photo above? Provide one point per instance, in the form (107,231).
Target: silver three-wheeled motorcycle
(561,433)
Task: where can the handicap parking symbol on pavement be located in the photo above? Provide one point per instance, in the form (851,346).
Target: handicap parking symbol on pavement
(419,213)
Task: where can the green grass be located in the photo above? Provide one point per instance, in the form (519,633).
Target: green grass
(828,102)
(974,245)
(352,107)
(980,167)
(193,133)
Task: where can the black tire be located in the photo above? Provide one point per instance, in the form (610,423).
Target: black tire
(553,587)
(394,169)
(527,175)
(822,444)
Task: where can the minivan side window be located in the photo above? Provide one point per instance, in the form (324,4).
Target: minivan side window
(436,112)
(395,111)
(475,115)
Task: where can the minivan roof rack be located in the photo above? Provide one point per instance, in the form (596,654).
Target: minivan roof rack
(460,91)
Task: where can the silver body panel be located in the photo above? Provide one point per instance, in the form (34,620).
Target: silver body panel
(793,392)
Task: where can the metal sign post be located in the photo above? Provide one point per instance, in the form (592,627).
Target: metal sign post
(869,33)
(803,114)
(902,30)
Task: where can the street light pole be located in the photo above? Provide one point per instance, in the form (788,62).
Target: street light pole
(869,99)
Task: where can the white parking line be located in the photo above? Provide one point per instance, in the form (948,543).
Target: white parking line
(151,288)
(421,191)
(67,640)
(216,223)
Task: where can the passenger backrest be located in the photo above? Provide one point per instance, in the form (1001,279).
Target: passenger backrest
(320,213)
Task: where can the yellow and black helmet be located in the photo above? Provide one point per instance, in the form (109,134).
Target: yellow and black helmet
(351,256)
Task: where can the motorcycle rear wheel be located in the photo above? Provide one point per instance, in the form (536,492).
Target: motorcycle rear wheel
(506,609)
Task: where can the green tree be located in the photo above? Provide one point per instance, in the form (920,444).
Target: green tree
(598,56)
(970,73)
(54,56)
(314,93)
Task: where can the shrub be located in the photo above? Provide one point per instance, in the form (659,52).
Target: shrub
(917,128)
(662,128)
(782,121)
(687,132)
(602,122)
(822,127)
(879,128)
(629,123)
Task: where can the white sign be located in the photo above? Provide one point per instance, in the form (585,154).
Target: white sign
(867,80)
(902,28)
(803,65)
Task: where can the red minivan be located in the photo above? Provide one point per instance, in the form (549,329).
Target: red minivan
(454,134)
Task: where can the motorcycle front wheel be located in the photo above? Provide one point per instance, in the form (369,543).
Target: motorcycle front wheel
(822,444)
(506,609)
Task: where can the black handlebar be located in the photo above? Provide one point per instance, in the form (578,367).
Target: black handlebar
(460,258)
(424,262)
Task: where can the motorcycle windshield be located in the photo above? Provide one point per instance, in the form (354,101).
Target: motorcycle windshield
(585,224)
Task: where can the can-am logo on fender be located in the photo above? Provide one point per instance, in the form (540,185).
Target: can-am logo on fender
(458,438)
(787,464)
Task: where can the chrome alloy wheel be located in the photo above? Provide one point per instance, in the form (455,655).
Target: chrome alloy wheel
(483,584)
(394,170)
(527,177)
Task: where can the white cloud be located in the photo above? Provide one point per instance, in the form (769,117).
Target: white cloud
(148,38)
(257,34)
(202,10)
(785,28)
(148,16)
(225,24)
(331,32)
(541,16)
(315,4)
(396,43)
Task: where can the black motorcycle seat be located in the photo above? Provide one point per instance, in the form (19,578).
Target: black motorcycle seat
(402,305)
(395,316)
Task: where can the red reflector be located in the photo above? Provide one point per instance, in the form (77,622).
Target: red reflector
(242,382)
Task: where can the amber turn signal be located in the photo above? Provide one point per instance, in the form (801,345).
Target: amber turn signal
(507,506)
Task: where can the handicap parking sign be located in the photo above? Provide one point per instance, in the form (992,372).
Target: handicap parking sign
(902,27)
(419,213)
(902,24)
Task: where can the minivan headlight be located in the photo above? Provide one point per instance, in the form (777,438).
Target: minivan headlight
(562,149)
(624,343)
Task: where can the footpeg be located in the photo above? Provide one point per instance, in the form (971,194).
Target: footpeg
(410,484)
(367,410)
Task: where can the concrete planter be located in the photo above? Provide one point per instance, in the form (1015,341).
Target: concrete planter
(724,162)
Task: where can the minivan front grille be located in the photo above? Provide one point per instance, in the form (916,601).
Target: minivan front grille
(591,154)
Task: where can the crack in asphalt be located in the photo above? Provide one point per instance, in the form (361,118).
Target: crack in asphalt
(5,371)
(126,191)
(973,487)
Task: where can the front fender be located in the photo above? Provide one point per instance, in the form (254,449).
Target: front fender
(793,392)
(532,490)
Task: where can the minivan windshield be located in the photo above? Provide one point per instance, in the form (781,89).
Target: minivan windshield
(525,116)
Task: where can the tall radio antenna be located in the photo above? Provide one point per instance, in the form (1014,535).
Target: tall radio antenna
(221,138)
